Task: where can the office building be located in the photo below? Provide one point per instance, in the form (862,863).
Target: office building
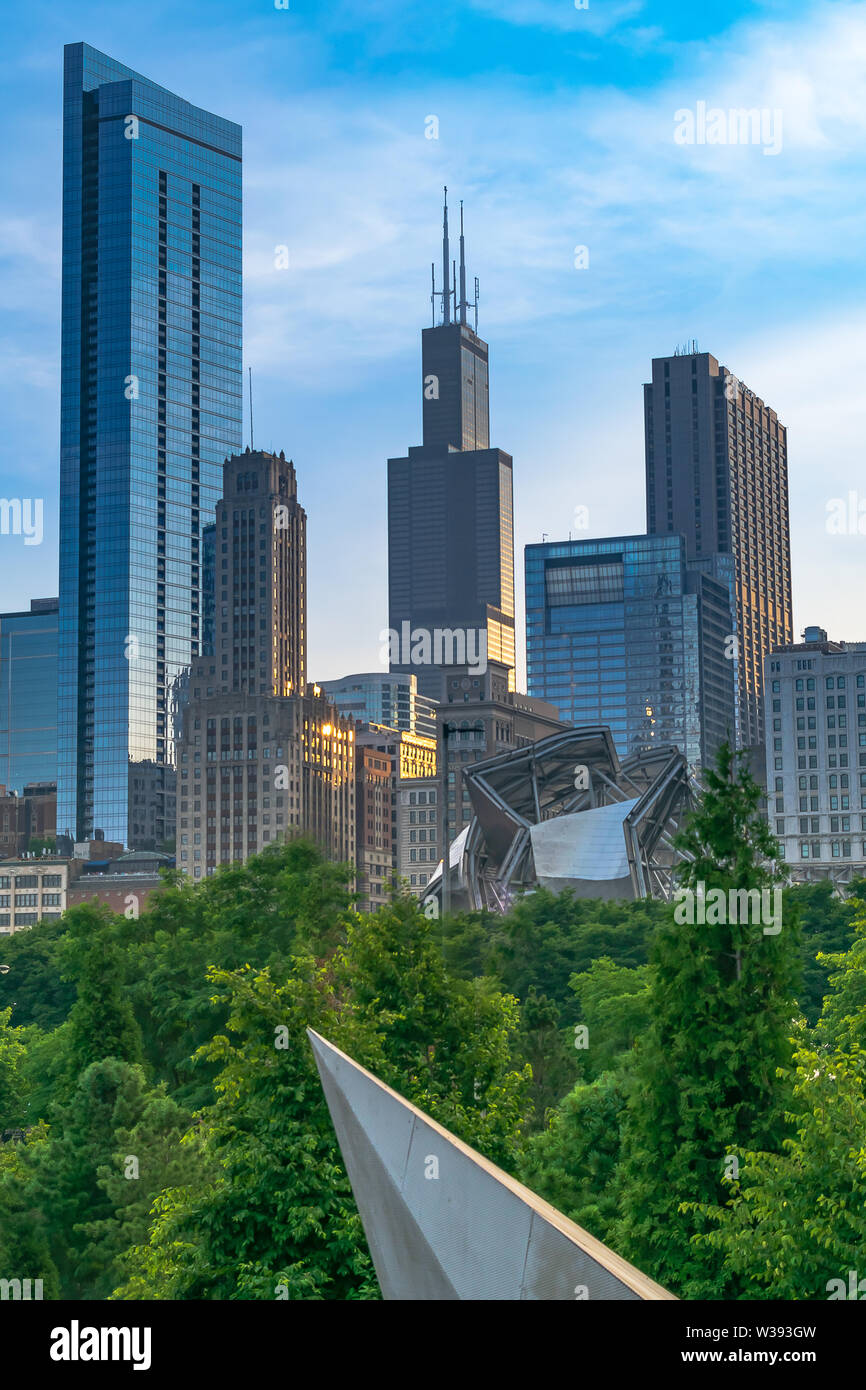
(28,695)
(151,396)
(33,890)
(717,474)
(263,755)
(622,632)
(479,718)
(374,824)
(415,833)
(377,697)
(816,756)
(450,527)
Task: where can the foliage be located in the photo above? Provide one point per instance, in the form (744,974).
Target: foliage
(705,1076)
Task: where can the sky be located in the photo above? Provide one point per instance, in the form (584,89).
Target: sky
(560,128)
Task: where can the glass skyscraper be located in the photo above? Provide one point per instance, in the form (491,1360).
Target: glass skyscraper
(621,632)
(151,401)
(28,696)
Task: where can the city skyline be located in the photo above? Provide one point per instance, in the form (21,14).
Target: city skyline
(581,401)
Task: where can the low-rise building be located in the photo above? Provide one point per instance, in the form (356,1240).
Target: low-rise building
(34,890)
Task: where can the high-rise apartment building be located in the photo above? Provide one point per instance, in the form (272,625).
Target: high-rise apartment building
(450,526)
(28,695)
(717,474)
(623,632)
(151,395)
(816,756)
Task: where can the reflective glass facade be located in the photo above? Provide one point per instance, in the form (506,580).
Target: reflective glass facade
(28,696)
(620,632)
(151,405)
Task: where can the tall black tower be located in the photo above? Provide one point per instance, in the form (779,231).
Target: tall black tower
(450,522)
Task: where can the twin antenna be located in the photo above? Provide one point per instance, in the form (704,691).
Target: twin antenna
(449,278)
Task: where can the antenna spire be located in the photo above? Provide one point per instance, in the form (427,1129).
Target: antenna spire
(463,305)
(252,444)
(446,266)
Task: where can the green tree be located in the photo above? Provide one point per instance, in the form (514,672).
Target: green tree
(549,1050)
(705,1077)
(272,1214)
(24,1250)
(826,923)
(446,1043)
(13,1079)
(33,982)
(573,1163)
(101,1021)
(82,1219)
(615,1005)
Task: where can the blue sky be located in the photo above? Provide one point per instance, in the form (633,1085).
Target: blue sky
(556,127)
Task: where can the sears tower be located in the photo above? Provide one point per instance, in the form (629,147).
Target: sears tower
(450,524)
(151,400)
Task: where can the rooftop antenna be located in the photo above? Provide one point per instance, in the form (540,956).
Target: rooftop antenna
(463,305)
(454,289)
(446,254)
(252,444)
(433,291)
(476,303)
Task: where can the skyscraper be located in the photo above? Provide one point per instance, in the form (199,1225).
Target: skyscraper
(261,754)
(151,393)
(260,577)
(623,632)
(450,527)
(717,474)
(28,695)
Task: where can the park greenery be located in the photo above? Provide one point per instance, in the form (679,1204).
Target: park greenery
(692,1095)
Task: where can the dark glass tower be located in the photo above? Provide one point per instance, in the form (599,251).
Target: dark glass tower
(28,696)
(151,405)
(717,474)
(450,524)
(623,632)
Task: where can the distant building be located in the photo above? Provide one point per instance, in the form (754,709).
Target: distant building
(27,818)
(717,474)
(816,755)
(381,697)
(126,885)
(374,823)
(415,797)
(450,524)
(152,805)
(28,695)
(623,632)
(478,719)
(263,755)
(151,402)
(33,890)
